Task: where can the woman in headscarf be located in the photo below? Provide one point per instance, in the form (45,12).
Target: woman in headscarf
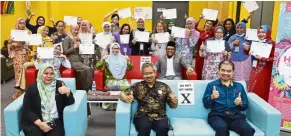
(58,61)
(46,40)
(159,49)
(106,34)
(240,58)
(205,33)
(185,46)
(83,73)
(19,52)
(211,60)
(60,35)
(139,48)
(114,20)
(40,21)
(171,23)
(124,47)
(44,103)
(261,73)
(115,66)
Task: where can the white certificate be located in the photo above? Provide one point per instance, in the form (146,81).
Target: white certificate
(141,36)
(170,13)
(215,46)
(86,38)
(124,39)
(103,41)
(250,5)
(70,20)
(86,48)
(45,52)
(19,35)
(210,14)
(178,32)
(124,13)
(186,93)
(34,39)
(162,37)
(144,12)
(251,34)
(144,60)
(261,49)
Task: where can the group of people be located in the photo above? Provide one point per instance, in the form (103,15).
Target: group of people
(190,52)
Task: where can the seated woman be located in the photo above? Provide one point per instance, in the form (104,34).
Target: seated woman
(58,61)
(60,34)
(115,66)
(43,104)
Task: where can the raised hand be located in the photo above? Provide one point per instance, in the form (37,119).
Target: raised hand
(238,100)
(215,93)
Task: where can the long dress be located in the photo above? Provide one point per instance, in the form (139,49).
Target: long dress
(84,73)
(261,75)
(124,48)
(211,61)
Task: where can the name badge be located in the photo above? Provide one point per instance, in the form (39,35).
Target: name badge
(141,46)
(236,49)
(255,63)
(125,50)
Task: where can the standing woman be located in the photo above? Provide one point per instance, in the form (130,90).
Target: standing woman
(139,48)
(240,58)
(206,33)
(261,74)
(19,52)
(60,35)
(40,21)
(114,20)
(186,45)
(211,60)
(124,48)
(159,49)
(44,103)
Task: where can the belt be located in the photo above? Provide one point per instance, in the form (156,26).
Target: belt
(229,113)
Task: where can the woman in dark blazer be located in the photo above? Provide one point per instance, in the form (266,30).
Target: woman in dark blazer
(44,103)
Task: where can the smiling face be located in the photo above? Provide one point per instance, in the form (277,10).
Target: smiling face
(44,31)
(239,30)
(140,23)
(21,24)
(48,75)
(149,74)
(226,72)
(208,25)
(189,25)
(40,21)
(160,28)
(125,30)
(75,30)
(115,49)
(170,50)
(106,28)
(261,34)
(219,34)
(57,51)
(228,25)
(60,27)
(85,26)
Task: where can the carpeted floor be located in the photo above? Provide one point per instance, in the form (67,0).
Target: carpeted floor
(101,123)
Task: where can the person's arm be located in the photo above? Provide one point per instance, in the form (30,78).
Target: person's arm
(184,63)
(129,91)
(67,48)
(244,97)
(68,98)
(27,24)
(36,64)
(66,63)
(109,14)
(207,101)
(100,64)
(172,103)
(154,44)
(27,110)
(246,19)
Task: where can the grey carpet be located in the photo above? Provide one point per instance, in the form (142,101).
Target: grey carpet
(101,123)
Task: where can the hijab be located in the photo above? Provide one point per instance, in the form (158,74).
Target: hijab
(103,24)
(195,33)
(243,25)
(266,29)
(75,38)
(143,19)
(17,23)
(117,63)
(47,94)
(46,40)
(88,28)
(221,28)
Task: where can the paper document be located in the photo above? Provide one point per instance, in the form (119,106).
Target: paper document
(141,36)
(45,52)
(170,13)
(178,32)
(124,13)
(210,14)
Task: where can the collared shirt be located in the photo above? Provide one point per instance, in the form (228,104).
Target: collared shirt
(227,96)
(151,101)
(170,67)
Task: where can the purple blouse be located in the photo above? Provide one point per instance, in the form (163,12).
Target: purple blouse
(124,48)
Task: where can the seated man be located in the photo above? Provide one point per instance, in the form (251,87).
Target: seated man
(152,97)
(170,64)
(227,99)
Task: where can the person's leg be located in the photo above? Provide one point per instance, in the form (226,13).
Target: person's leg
(22,78)
(58,130)
(161,127)
(219,125)
(33,131)
(143,126)
(241,127)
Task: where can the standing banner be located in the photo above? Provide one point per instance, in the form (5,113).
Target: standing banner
(280,88)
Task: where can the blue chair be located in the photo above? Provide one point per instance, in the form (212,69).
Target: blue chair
(75,115)
(191,120)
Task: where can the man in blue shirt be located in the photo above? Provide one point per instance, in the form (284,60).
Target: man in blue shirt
(227,99)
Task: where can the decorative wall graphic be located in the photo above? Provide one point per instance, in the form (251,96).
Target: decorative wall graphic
(7,7)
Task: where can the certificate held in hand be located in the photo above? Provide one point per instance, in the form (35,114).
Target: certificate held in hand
(124,13)
(124,39)
(251,34)
(261,49)
(34,39)
(210,14)
(102,41)
(215,46)
(250,6)
(45,52)
(19,35)
(86,49)
(141,36)
(70,20)
(178,32)
(162,37)
(170,13)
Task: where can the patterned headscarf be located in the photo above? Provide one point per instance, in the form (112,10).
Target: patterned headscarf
(267,30)
(195,33)
(46,40)
(117,63)
(221,28)
(88,29)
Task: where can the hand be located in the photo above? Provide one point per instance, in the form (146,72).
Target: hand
(76,45)
(63,56)
(189,71)
(64,90)
(44,127)
(52,20)
(246,47)
(202,47)
(201,16)
(133,41)
(162,17)
(258,57)
(173,98)
(238,101)
(189,32)
(129,98)
(215,93)
(32,14)
(115,10)
(236,42)
(105,57)
(127,58)
(224,53)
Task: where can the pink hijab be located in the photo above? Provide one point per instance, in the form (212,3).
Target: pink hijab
(17,23)
(195,33)
(88,30)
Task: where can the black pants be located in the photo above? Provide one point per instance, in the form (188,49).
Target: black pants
(34,130)
(143,126)
(222,123)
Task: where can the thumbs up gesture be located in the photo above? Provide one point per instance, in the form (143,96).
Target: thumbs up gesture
(64,90)
(215,93)
(238,101)
(129,98)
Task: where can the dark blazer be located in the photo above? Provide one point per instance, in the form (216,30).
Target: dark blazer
(31,109)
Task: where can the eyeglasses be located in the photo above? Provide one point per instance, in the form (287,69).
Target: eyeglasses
(171,49)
